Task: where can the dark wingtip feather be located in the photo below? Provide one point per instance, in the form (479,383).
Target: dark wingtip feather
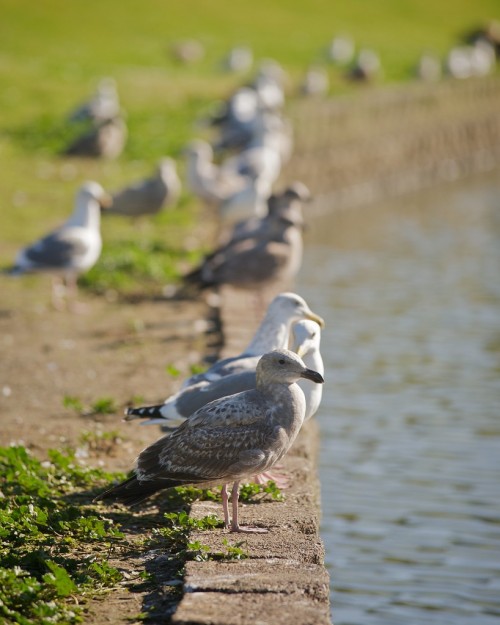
(144,412)
(130,492)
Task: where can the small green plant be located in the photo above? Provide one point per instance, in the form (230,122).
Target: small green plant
(104,405)
(202,553)
(101,442)
(251,493)
(172,371)
(179,526)
(195,369)
(234,552)
(73,403)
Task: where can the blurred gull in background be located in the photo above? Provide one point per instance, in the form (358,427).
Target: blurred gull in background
(341,50)
(315,82)
(71,249)
(105,139)
(104,104)
(269,256)
(148,196)
(238,59)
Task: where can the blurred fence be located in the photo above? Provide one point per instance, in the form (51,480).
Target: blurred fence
(361,148)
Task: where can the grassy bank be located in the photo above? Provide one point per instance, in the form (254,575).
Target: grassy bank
(54,53)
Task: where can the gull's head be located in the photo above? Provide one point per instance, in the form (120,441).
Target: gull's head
(282,366)
(306,337)
(93,191)
(298,191)
(291,307)
(107,86)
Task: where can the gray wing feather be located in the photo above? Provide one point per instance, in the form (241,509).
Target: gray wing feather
(56,250)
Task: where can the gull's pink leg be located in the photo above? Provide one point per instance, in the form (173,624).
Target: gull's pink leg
(72,286)
(225,507)
(235,526)
(281,480)
(58,293)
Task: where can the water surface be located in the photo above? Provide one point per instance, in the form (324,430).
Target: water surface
(410,420)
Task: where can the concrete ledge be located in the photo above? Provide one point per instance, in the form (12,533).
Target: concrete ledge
(284,579)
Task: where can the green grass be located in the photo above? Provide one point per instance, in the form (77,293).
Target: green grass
(44,535)
(54,52)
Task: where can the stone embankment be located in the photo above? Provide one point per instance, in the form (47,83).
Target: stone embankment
(351,150)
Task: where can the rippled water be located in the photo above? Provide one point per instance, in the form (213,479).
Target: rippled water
(410,420)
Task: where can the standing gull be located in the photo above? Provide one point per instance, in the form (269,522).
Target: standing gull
(227,440)
(306,339)
(273,333)
(206,179)
(104,104)
(105,139)
(269,256)
(70,250)
(148,196)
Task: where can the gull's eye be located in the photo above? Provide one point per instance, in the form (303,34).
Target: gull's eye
(281,361)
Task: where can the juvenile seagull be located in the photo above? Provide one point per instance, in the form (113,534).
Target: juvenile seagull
(306,340)
(70,250)
(269,255)
(149,196)
(228,440)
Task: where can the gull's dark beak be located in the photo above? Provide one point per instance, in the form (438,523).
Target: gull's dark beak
(314,376)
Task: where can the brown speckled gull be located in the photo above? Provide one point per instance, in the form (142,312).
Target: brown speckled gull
(227,440)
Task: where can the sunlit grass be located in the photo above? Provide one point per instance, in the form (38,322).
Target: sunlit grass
(53,54)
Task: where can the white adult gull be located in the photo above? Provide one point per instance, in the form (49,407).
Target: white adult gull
(305,341)
(272,333)
(71,249)
(205,179)
(228,440)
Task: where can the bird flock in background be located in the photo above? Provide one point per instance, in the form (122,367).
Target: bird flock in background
(235,421)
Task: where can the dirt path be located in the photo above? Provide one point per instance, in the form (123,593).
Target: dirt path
(117,351)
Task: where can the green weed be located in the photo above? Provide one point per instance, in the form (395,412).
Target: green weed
(250,493)
(73,403)
(202,553)
(195,369)
(102,405)
(39,531)
(172,371)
